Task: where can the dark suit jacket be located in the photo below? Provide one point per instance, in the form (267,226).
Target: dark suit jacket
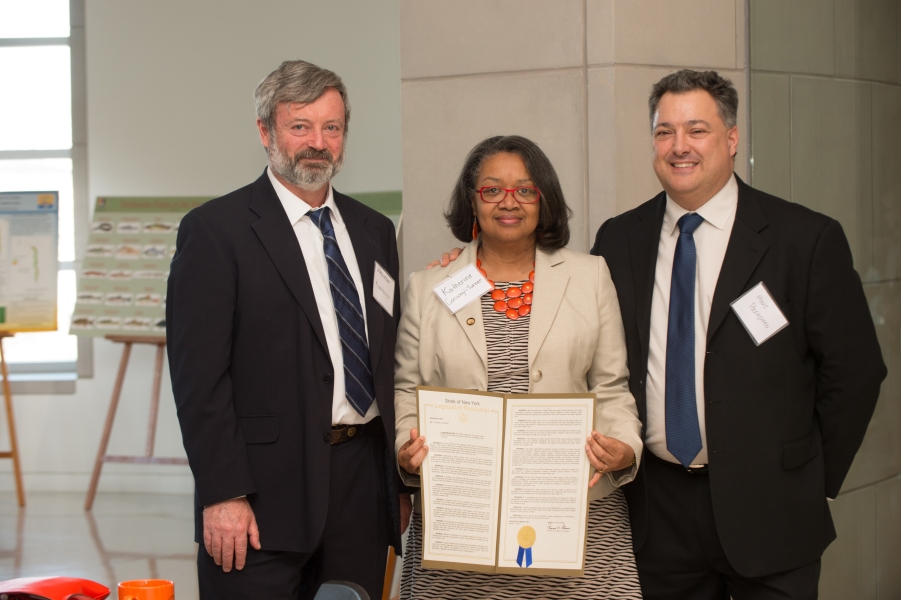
(251,373)
(783,419)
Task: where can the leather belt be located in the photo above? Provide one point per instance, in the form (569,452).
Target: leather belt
(691,469)
(343,433)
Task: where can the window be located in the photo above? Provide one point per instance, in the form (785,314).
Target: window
(41,63)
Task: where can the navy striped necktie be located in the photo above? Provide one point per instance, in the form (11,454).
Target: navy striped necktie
(358,387)
(683,432)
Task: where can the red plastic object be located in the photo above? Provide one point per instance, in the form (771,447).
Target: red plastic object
(53,588)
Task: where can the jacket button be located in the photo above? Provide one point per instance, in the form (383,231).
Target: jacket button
(470,321)
(328,378)
(536,375)
(328,438)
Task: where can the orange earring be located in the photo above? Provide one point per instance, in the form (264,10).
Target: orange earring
(475,229)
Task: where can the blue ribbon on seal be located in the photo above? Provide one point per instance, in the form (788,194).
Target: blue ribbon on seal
(524,553)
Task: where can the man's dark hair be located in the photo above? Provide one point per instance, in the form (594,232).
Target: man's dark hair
(553,216)
(686,80)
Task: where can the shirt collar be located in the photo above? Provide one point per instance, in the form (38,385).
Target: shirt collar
(295,206)
(715,211)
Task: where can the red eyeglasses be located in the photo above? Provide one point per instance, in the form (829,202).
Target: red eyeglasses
(524,195)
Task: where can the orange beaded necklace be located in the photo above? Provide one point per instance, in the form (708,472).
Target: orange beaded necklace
(515,302)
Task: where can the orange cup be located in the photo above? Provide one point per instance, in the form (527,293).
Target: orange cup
(147,589)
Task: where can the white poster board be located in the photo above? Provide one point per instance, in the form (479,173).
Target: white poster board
(29,263)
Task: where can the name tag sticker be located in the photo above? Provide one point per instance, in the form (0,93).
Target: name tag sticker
(383,288)
(462,288)
(759,313)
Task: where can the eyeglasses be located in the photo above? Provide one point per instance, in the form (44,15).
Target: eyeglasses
(523,195)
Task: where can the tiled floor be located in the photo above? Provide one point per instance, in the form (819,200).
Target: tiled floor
(126,536)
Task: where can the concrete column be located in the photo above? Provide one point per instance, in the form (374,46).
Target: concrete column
(825,118)
(572,75)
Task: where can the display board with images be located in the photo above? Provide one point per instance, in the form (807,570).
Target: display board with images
(29,263)
(122,288)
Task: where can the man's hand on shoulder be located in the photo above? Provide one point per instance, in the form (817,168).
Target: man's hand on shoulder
(446,258)
(226,527)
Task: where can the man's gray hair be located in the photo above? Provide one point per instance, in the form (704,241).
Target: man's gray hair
(296,81)
(686,80)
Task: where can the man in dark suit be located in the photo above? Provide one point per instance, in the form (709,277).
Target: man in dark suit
(282,312)
(746,433)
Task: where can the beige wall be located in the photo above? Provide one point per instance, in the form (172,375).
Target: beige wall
(826,120)
(572,75)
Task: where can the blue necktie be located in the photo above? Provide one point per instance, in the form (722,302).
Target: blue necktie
(683,433)
(358,387)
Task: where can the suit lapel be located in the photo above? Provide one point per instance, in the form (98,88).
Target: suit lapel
(743,253)
(644,240)
(475,332)
(366,250)
(277,236)
(550,285)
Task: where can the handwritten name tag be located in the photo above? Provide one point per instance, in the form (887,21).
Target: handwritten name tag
(759,313)
(383,288)
(463,287)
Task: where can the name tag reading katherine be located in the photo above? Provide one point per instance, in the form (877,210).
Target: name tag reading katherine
(463,287)
(759,313)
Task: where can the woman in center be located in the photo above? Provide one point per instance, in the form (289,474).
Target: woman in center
(551,325)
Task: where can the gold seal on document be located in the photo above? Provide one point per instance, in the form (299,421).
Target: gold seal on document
(526,536)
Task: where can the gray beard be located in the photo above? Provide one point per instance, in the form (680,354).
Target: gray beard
(308,177)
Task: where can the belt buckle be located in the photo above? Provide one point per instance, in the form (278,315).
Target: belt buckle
(338,435)
(342,433)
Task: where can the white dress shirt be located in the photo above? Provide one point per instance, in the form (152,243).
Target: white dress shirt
(711,239)
(310,239)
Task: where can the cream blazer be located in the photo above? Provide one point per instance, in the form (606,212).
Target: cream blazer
(576,344)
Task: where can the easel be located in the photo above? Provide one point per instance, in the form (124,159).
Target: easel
(148,457)
(13,453)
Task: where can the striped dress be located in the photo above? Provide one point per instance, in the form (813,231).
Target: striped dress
(610,570)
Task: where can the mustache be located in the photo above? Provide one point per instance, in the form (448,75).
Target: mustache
(323,154)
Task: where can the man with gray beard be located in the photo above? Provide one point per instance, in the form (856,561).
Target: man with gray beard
(282,312)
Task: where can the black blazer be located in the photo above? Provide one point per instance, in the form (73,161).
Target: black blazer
(251,373)
(784,419)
